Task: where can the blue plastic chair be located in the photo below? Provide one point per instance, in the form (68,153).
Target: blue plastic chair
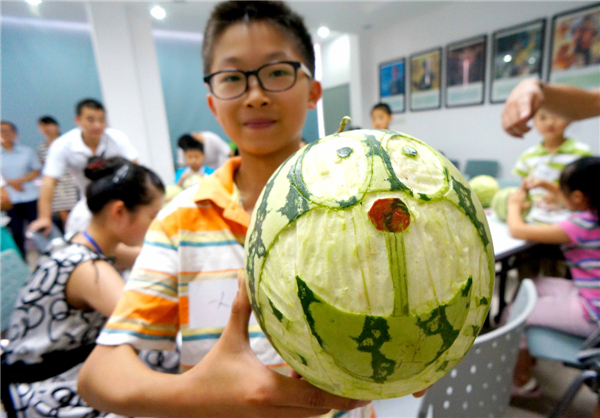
(481,167)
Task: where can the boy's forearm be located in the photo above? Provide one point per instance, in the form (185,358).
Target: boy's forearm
(113,379)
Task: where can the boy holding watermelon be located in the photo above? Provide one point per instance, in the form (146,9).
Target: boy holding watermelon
(258,61)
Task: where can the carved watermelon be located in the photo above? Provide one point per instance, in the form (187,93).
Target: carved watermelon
(369,264)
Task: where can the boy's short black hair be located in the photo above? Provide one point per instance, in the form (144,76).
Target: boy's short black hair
(12,125)
(47,120)
(382,106)
(187,142)
(89,104)
(276,13)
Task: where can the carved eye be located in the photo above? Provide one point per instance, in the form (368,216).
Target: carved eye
(415,165)
(335,172)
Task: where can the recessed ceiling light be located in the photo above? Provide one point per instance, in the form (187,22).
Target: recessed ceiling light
(34,2)
(507,58)
(323,32)
(158,12)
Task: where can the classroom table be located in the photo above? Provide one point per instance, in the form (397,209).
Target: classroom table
(505,247)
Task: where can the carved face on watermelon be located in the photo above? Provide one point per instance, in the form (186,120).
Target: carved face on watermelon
(369,264)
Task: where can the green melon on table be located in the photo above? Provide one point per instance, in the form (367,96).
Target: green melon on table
(485,187)
(500,203)
(369,264)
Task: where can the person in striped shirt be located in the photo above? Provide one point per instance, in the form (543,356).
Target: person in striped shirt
(258,61)
(572,306)
(540,165)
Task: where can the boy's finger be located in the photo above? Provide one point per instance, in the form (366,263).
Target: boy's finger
(300,393)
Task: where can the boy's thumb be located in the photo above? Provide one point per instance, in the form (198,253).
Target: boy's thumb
(237,326)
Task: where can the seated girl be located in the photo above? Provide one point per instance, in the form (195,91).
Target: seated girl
(572,306)
(65,302)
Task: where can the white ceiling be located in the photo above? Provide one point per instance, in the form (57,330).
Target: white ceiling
(191,16)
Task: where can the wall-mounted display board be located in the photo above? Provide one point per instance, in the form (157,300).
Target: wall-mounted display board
(518,54)
(465,72)
(575,50)
(392,84)
(426,80)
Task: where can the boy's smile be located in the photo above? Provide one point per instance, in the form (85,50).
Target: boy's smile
(261,122)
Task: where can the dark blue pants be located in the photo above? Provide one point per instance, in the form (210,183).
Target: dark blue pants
(19,214)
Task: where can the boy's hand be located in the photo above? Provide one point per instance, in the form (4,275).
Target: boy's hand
(243,387)
(529,183)
(522,103)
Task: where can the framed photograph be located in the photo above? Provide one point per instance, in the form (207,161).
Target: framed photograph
(465,72)
(392,84)
(426,80)
(575,48)
(518,53)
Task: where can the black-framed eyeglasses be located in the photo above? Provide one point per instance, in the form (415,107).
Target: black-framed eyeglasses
(273,77)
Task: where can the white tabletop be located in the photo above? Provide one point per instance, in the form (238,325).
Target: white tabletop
(504,244)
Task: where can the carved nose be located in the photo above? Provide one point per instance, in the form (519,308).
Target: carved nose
(389,215)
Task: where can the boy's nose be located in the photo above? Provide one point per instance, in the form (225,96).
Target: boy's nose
(256,96)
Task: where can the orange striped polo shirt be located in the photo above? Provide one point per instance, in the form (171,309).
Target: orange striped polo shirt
(185,278)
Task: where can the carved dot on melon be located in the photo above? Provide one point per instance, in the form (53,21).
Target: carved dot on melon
(389,215)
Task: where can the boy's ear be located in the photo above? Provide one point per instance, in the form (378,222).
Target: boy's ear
(314,94)
(211,105)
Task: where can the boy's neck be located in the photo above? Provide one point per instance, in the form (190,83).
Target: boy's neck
(552,144)
(254,173)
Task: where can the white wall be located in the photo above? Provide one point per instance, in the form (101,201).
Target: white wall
(474,131)
(341,65)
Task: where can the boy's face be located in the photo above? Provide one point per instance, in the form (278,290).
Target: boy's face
(261,122)
(549,125)
(380,119)
(194,158)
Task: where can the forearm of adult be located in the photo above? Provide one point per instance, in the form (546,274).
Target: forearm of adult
(29,176)
(45,199)
(113,379)
(571,102)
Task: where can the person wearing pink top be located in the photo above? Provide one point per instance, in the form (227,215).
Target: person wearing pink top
(572,306)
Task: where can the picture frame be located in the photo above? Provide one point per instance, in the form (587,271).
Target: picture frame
(575,48)
(426,80)
(518,53)
(392,84)
(465,72)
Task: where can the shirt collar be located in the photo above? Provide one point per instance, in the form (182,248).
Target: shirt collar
(79,145)
(218,188)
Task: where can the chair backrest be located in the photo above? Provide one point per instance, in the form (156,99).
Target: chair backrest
(479,167)
(480,385)
(13,273)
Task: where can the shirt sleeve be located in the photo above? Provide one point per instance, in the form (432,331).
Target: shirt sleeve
(127,149)
(55,165)
(573,227)
(520,168)
(147,316)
